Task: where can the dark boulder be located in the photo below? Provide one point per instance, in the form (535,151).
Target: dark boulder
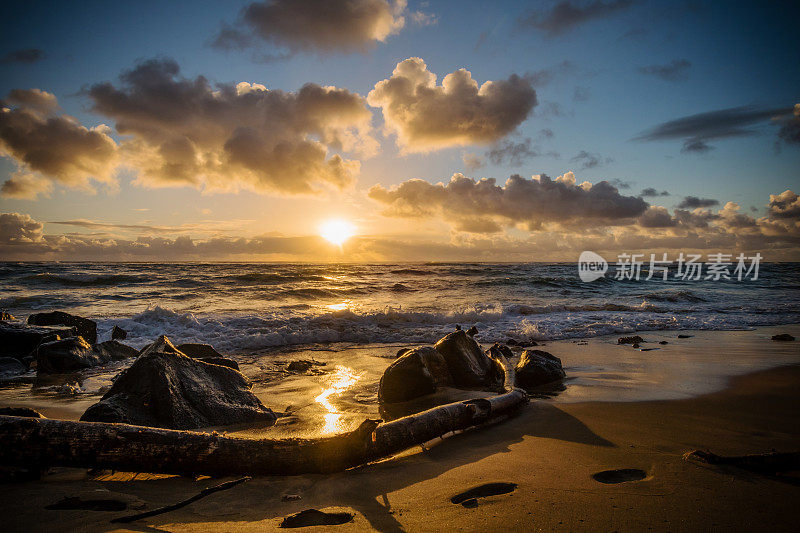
(416,373)
(685,336)
(782,337)
(198,351)
(502,349)
(636,339)
(161,345)
(20,341)
(537,367)
(85,328)
(118,333)
(402,351)
(298,366)
(10,367)
(6,316)
(170,390)
(67,355)
(468,365)
(663,342)
(21,411)
(115,351)
(472,331)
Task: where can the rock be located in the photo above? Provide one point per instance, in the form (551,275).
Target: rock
(782,337)
(685,336)
(198,350)
(663,342)
(472,331)
(20,411)
(298,366)
(118,333)
(67,355)
(115,351)
(402,351)
(636,345)
(537,367)
(6,316)
(10,367)
(161,345)
(504,350)
(468,365)
(416,373)
(84,327)
(221,361)
(636,339)
(20,341)
(170,390)
(458,327)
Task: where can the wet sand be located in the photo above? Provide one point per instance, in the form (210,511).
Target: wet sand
(550,451)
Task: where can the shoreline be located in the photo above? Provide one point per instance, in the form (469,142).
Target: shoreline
(549,450)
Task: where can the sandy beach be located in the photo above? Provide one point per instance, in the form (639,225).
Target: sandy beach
(740,398)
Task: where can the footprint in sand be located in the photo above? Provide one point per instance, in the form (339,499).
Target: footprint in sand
(469,498)
(313,517)
(620,475)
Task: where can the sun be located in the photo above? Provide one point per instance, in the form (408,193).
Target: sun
(336,231)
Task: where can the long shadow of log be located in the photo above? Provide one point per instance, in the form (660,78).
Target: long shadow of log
(366,489)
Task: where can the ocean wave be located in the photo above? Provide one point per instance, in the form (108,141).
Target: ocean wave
(273,278)
(84,280)
(675,296)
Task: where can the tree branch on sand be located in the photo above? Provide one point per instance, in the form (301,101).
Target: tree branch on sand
(39,442)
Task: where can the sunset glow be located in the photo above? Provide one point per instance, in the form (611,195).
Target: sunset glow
(336,231)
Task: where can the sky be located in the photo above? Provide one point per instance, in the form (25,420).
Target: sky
(475,131)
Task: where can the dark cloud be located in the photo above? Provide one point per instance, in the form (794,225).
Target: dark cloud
(588,160)
(620,184)
(790,131)
(785,205)
(697,130)
(25,56)
(650,192)
(426,116)
(322,26)
(693,202)
(676,70)
(50,145)
(17,228)
(657,217)
(566,15)
(469,204)
(512,153)
(186,132)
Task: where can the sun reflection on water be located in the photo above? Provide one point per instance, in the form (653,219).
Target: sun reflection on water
(342,379)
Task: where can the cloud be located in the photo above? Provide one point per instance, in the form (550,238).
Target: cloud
(540,78)
(692,202)
(513,154)
(483,206)
(566,15)
(50,145)
(25,186)
(697,130)
(321,26)
(676,70)
(17,228)
(186,132)
(25,56)
(588,160)
(651,192)
(657,217)
(426,116)
(790,131)
(785,205)
(472,161)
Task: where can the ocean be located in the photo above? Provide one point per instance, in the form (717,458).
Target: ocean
(248,307)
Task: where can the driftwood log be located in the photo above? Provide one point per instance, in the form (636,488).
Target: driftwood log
(39,442)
